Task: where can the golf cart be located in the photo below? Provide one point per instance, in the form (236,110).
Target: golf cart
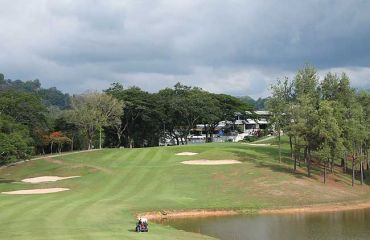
(142,225)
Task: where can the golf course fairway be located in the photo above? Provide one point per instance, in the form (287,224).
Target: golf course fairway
(117,184)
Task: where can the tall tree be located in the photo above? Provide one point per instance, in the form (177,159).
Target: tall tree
(92,111)
(277,104)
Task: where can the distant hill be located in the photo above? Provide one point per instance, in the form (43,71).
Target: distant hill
(259,104)
(50,96)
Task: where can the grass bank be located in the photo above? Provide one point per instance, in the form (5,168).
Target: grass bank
(117,184)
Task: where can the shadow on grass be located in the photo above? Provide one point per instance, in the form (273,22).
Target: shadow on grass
(265,158)
(3,180)
(268,157)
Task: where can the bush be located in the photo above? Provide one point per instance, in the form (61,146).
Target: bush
(15,142)
(250,138)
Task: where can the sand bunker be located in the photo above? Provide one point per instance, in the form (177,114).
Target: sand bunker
(46,179)
(186,154)
(259,144)
(210,162)
(37,191)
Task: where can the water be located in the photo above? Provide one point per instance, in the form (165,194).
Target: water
(354,225)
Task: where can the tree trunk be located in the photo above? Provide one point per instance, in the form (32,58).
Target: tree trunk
(207,132)
(332,165)
(291,148)
(119,139)
(51,147)
(295,164)
(295,154)
(353,170)
(342,164)
(309,163)
(186,136)
(324,172)
(362,172)
(279,147)
(90,144)
(100,138)
(211,135)
(131,143)
(72,141)
(305,155)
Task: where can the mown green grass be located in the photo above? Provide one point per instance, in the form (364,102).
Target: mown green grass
(116,184)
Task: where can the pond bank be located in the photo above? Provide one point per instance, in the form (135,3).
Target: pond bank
(316,208)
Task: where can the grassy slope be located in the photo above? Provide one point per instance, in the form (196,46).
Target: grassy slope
(118,183)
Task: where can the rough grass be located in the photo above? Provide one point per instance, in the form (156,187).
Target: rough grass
(118,183)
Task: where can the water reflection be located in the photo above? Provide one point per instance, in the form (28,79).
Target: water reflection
(319,226)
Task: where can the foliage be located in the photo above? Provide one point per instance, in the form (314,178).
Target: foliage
(15,142)
(50,97)
(259,104)
(92,111)
(327,118)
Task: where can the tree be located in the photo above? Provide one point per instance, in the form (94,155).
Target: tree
(92,111)
(70,130)
(140,122)
(328,132)
(364,99)
(58,138)
(15,141)
(26,109)
(277,104)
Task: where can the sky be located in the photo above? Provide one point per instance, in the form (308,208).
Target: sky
(238,47)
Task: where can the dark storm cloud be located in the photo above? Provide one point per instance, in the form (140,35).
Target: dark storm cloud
(237,47)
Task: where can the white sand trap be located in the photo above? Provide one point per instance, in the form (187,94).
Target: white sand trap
(259,144)
(186,154)
(46,179)
(211,162)
(37,191)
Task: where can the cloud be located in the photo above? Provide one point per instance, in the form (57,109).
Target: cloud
(237,47)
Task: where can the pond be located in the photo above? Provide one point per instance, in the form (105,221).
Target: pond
(309,226)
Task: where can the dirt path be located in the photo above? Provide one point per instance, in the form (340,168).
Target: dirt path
(319,208)
(63,154)
(48,157)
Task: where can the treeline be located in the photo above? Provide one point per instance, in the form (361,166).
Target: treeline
(34,120)
(327,121)
(171,113)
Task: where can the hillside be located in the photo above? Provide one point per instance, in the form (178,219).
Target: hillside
(117,184)
(258,104)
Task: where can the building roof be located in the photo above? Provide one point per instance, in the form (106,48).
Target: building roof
(262,121)
(262,112)
(250,121)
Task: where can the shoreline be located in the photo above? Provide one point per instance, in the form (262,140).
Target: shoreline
(316,208)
